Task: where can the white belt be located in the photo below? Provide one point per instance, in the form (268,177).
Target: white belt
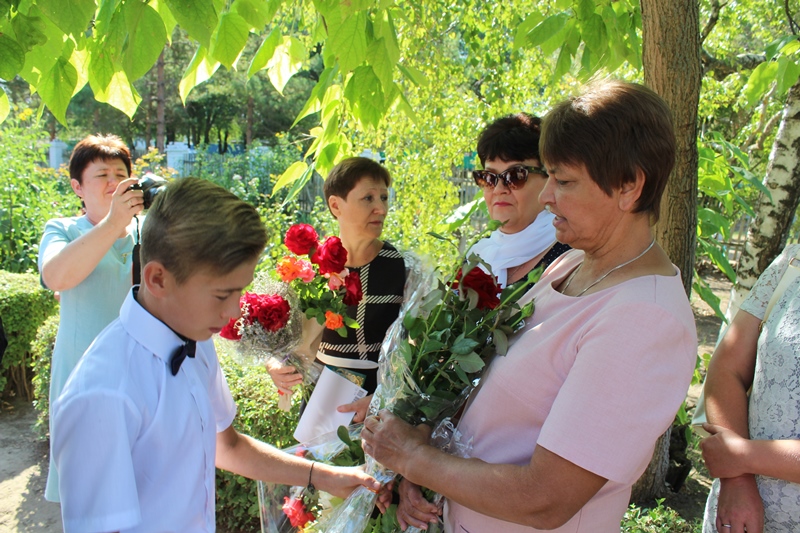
(344,362)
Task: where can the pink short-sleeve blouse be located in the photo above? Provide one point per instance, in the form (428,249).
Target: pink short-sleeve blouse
(595,379)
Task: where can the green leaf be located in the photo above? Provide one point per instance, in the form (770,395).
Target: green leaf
(349,42)
(12,57)
(265,52)
(462,375)
(546,29)
(500,340)
(585,9)
(229,39)
(463,345)
(71,16)
(257,13)
(286,62)
(473,298)
(166,16)
(293,173)
(101,70)
(120,93)
(789,72)
(705,293)
(41,58)
(521,33)
(382,64)
(200,69)
(760,81)
(462,214)
(384,29)
(366,96)
(146,38)
(416,76)
(595,35)
(5,107)
(470,362)
(327,156)
(56,88)
(197,17)
(30,31)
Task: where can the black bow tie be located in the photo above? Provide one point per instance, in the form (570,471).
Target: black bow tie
(181,353)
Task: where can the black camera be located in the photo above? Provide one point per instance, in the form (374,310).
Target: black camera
(150,185)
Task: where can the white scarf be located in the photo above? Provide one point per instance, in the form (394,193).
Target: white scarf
(507,250)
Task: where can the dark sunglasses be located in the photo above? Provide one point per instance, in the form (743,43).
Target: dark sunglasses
(514,177)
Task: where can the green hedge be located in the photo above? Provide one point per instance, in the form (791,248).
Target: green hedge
(257,415)
(24,306)
(42,355)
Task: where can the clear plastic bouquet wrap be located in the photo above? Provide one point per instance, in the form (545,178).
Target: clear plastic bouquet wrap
(433,356)
(448,439)
(270,327)
(286,509)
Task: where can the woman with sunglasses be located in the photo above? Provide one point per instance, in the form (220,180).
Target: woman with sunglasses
(565,423)
(512,179)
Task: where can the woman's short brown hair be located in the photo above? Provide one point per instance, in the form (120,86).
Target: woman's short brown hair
(510,138)
(195,225)
(94,147)
(344,176)
(614,129)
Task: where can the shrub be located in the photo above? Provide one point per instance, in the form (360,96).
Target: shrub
(257,415)
(24,306)
(659,519)
(42,355)
(30,194)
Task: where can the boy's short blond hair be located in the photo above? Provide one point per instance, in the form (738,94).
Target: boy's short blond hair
(195,225)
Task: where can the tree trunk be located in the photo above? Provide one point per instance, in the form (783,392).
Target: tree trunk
(248,136)
(160,103)
(767,233)
(671,59)
(148,125)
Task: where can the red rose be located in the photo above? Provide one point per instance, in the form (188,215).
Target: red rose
(482,283)
(250,302)
(272,312)
(352,285)
(230,331)
(301,239)
(331,256)
(295,511)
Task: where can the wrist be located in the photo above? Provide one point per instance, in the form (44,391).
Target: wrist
(415,462)
(744,480)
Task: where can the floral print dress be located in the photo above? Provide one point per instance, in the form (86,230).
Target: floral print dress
(774,407)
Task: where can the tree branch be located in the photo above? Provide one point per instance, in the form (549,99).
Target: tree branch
(724,68)
(793,27)
(713,18)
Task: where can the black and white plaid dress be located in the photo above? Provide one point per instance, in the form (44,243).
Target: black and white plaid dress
(382,283)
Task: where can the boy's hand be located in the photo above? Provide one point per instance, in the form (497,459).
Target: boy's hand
(341,481)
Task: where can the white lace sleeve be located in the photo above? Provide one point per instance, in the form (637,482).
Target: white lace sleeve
(756,302)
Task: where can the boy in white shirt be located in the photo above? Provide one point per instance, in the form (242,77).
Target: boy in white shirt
(146,415)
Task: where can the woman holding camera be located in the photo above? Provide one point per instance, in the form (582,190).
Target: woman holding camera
(88,258)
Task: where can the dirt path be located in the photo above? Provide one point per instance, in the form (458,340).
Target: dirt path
(23,473)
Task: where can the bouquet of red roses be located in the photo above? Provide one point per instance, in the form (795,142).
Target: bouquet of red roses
(323,285)
(286,509)
(270,327)
(433,357)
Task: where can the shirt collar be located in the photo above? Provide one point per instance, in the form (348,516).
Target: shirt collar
(148,330)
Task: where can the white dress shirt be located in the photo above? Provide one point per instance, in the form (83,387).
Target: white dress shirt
(133,444)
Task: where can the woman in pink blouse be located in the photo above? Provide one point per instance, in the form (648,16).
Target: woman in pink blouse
(565,423)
